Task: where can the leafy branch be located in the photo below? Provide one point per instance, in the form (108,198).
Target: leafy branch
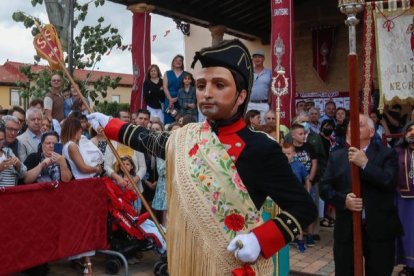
(89,47)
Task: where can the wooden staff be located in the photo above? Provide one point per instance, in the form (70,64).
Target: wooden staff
(276,210)
(73,83)
(351,8)
(355,142)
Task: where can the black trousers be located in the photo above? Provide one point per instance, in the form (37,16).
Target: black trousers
(378,256)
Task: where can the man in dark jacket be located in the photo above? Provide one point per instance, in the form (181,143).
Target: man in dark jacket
(380,223)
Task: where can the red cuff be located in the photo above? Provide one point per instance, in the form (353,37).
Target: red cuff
(113,128)
(270,238)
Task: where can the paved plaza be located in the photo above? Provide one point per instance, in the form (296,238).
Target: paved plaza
(317,260)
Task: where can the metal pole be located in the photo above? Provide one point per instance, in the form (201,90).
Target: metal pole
(277,119)
(279,88)
(351,8)
(70,36)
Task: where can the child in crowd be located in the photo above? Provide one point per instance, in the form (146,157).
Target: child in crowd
(85,126)
(302,175)
(187,96)
(130,166)
(159,202)
(305,153)
(68,101)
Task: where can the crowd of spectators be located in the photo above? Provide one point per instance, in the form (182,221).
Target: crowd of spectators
(52,141)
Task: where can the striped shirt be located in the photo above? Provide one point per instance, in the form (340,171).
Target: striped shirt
(9,176)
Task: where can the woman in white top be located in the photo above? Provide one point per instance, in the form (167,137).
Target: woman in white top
(71,136)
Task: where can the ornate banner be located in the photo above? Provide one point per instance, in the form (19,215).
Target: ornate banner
(45,49)
(283,55)
(394,37)
(141,56)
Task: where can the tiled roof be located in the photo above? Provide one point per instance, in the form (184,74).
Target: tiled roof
(9,73)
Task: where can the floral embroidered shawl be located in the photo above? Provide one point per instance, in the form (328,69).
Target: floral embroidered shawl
(208,205)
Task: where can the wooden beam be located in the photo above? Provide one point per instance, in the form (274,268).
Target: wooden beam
(243,18)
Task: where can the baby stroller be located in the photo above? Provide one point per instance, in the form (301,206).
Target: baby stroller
(129,233)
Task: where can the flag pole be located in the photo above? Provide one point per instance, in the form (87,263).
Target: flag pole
(73,83)
(350,8)
(279,88)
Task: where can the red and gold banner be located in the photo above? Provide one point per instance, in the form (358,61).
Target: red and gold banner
(141,56)
(45,48)
(283,55)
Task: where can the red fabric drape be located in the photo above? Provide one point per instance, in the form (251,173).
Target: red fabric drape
(141,57)
(283,30)
(46,222)
(322,40)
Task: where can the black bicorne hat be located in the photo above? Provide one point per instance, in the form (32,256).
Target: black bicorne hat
(230,54)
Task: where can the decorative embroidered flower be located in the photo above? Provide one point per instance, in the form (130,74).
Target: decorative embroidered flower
(234,222)
(216,196)
(193,150)
(212,156)
(237,181)
(213,209)
(201,177)
(199,162)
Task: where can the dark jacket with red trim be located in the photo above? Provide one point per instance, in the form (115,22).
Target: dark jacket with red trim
(262,166)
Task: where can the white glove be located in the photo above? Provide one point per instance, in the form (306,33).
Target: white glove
(250,250)
(97,120)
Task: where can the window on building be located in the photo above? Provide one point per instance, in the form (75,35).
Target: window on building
(116,98)
(14,97)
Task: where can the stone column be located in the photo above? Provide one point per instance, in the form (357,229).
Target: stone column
(217,33)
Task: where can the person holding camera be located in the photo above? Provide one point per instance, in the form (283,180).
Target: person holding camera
(47,164)
(11,169)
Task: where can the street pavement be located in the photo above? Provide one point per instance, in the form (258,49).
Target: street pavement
(317,260)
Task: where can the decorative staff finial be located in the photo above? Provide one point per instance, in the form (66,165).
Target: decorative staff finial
(280,87)
(351,8)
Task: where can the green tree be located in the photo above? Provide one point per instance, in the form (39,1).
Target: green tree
(112,108)
(90,45)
